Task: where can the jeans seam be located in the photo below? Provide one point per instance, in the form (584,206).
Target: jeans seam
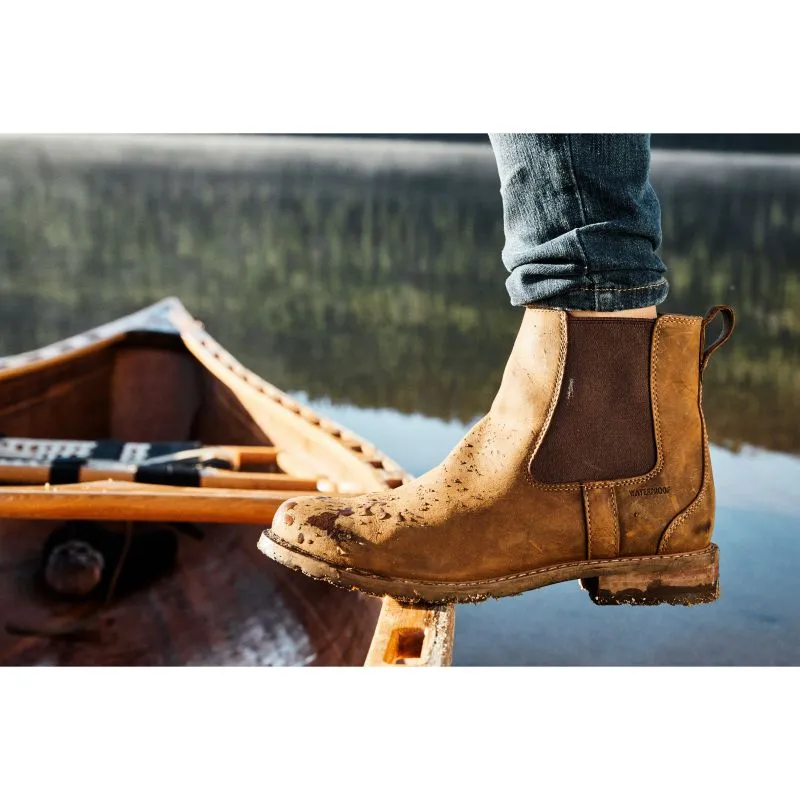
(580,204)
(627,289)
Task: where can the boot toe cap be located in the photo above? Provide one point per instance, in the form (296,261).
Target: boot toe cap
(315,526)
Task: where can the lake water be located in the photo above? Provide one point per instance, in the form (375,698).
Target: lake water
(365,277)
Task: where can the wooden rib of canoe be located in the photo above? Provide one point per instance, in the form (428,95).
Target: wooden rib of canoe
(181,580)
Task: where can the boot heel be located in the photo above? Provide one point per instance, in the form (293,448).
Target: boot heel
(686,582)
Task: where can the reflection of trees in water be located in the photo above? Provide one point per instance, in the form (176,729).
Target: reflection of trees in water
(736,240)
(385,291)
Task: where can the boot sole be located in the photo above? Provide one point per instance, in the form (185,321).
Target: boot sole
(677,579)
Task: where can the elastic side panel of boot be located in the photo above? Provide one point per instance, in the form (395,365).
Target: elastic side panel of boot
(602,427)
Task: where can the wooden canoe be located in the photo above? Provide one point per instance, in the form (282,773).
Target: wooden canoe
(184,581)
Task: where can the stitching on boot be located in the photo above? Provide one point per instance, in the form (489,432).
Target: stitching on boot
(610,496)
(586,507)
(612,501)
(555,394)
(692,507)
(623,561)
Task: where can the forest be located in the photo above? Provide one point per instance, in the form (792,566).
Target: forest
(383,289)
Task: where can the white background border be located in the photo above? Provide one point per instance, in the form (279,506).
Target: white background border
(397,67)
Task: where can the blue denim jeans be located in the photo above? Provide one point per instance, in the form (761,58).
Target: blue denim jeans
(582,222)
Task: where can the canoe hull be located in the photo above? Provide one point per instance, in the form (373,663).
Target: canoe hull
(153,376)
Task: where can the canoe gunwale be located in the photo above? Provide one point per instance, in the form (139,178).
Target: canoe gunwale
(170,317)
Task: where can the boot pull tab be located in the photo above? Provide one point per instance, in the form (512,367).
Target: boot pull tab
(728,322)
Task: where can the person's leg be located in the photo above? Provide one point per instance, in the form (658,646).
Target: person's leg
(593,460)
(582,222)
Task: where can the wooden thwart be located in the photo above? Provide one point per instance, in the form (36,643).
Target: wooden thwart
(139,502)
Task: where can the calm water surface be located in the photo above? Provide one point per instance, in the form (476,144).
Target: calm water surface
(365,277)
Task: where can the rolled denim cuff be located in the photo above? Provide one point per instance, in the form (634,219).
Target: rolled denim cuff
(589,293)
(582,222)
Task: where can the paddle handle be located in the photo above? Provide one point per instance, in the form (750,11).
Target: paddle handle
(235,455)
(250,456)
(208,477)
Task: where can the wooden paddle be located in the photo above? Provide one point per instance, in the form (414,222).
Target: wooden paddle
(31,472)
(26,461)
(48,450)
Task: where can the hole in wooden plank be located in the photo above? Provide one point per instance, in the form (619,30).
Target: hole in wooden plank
(404,644)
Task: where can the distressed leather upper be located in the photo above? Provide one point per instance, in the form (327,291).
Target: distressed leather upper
(480,514)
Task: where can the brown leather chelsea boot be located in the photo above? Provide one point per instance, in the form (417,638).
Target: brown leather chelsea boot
(592,464)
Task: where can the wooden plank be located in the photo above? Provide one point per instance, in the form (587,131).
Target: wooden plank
(136,502)
(37,474)
(412,636)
